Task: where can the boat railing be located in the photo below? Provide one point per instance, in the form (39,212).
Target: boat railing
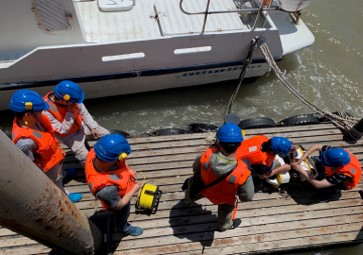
(258,11)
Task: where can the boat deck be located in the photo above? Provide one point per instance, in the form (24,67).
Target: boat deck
(270,223)
(150,19)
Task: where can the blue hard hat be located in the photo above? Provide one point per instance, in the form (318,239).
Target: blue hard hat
(69,91)
(229,133)
(27,100)
(334,157)
(110,147)
(280,146)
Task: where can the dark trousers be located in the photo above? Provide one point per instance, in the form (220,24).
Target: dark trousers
(121,217)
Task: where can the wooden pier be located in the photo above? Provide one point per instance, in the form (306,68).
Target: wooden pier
(270,223)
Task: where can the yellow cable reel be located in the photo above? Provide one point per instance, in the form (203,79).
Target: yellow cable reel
(148,199)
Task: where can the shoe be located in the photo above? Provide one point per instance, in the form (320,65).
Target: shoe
(75,197)
(236,223)
(361,194)
(231,225)
(283,192)
(135,231)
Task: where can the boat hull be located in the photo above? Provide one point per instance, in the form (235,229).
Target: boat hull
(134,67)
(145,81)
(155,48)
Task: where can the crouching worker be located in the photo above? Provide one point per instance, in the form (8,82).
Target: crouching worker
(222,176)
(70,118)
(338,170)
(33,135)
(111,180)
(265,156)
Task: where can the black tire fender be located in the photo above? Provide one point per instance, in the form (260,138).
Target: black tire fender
(301,119)
(170,131)
(90,138)
(201,127)
(120,132)
(257,122)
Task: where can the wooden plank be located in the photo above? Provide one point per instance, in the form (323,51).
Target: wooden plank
(339,213)
(269,223)
(258,236)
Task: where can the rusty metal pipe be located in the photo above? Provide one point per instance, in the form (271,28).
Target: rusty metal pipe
(33,206)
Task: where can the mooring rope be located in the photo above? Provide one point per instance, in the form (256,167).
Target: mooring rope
(248,60)
(342,120)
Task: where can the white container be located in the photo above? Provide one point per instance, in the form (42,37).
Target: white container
(281,178)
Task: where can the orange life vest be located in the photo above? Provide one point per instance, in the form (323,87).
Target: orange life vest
(123,177)
(223,192)
(59,112)
(48,153)
(353,169)
(250,152)
(266,2)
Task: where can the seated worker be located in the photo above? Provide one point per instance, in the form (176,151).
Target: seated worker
(220,161)
(340,170)
(70,118)
(33,135)
(111,180)
(264,155)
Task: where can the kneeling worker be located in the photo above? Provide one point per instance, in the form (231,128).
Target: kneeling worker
(70,118)
(264,155)
(340,170)
(111,180)
(219,162)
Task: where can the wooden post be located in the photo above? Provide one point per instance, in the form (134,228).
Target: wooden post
(32,205)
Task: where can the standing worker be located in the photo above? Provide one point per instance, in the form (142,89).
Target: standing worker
(338,170)
(70,118)
(33,135)
(111,180)
(264,155)
(219,162)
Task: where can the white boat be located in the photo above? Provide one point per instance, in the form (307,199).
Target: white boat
(114,47)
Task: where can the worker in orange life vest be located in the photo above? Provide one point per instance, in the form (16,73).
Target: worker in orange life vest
(111,180)
(338,170)
(220,160)
(264,155)
(33,134)
(70,118)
